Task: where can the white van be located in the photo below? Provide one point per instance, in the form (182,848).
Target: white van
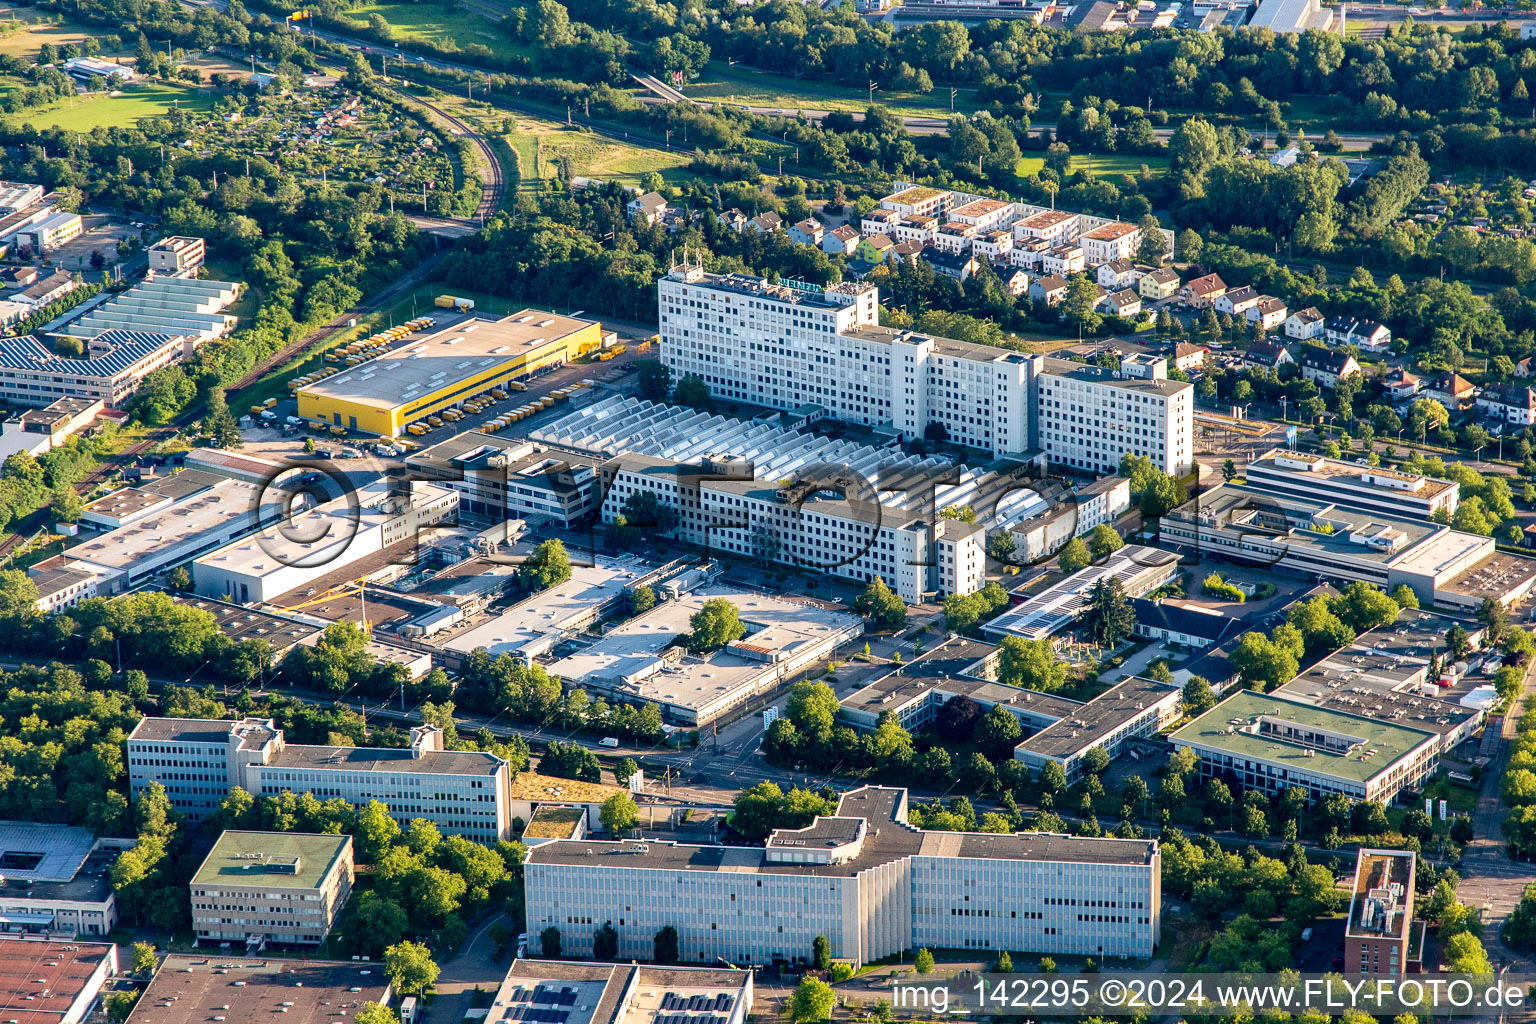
(608,741)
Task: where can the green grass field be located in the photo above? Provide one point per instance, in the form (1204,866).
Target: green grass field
(750,87)
(23,30)
(541,145)
(82,113)
(436,23)
(1100,166)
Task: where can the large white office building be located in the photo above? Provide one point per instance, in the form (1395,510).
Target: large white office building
(199,761)
(787,346)
(864,878)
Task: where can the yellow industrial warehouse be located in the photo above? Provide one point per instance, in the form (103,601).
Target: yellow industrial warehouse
(444,369)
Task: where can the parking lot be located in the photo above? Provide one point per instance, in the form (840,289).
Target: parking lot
(101,234)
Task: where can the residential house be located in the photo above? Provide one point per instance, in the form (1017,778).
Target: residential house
(1326,367)
(1237,301)
(1269,312)
(908,251)
(1117,274)
(1050,289)
(1201,292)
(766,223)
(1509,403)
(1188,356)
(649,209)
(1014,279)
(1367,335)
(843,241)
(957,265)
(1400,385)
(1158,284)
(875,248)
(734,219)
(1451,390)
(806,232)
(1115,241)
(1062,260)
(1267,355)
(1125,302)
(1525,367)
(1304,324)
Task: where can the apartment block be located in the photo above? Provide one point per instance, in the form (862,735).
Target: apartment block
(1382,936)
(271,888)
(177,254)
(199,761)
(865,878)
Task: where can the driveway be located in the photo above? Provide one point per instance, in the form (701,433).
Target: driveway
(475,968)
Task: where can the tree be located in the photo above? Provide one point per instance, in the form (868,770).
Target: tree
(998,733)
(373,1013)
(812,1000)
(880,604)
(179,579)
(1030,664)
(1198,696)
(1464,954)
(715,624)
(1162,495)
(692,391)
(1095,761)
(625,768)
(1003,964)
(1053,778)
(374,923)
(619,813)
(1404,597)
(1263,663)
(654,379)
(1108,614)
(605,942)
(1104,541)
(548,566)
(821,953)
(1074,557)
(922,963)
(665,946)
(410,967)
(65,506)
(642,599)
(549,942)
(1228,470)
(1363,607)
(143,960)
(18,593)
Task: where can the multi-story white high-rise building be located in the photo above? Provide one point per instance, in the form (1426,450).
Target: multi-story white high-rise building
(865,879)
(785,346)
(1089,416)
(199,761)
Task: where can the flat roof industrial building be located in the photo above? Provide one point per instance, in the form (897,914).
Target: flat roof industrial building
(52,982)
(190,989)
(425,375)
(1272,742)
(1327,540)
(640,659)
(1138,569)
(599,993)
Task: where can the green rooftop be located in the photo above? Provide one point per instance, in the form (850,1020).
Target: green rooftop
(553,823)
(1301,736)
(284,860)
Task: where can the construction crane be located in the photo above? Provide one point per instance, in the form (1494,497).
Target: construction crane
(357,586)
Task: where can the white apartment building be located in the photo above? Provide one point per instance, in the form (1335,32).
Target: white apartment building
(1055,227)
(1117,241)
(864,878)
(199,761)
(1088,416)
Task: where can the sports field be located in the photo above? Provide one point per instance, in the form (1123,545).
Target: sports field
(135,101)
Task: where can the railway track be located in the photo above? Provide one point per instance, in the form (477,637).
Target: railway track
(495,188)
